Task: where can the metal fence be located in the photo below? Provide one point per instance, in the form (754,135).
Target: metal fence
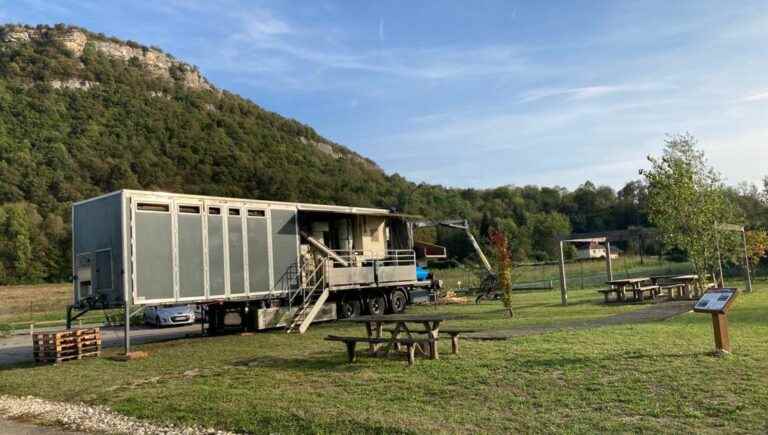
(585,274)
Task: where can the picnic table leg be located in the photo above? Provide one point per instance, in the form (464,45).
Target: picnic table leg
(433,334)
(455,344)
(350,350)
(395,332)
(411,353)
(371,329)
(400,327)
(379,333)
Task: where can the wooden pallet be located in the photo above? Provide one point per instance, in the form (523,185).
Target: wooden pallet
(66,345)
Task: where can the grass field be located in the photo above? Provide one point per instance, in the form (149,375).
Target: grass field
(45,304)
(651,377)
(42,304)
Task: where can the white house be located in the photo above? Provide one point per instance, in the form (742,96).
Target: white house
(589,250)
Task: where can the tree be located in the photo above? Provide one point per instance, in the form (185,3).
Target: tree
(22,245)
(503,268)
(546,229)
(686,201)
(757,246)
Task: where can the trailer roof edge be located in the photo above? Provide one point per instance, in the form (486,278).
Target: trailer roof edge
(302,206)
(96,198)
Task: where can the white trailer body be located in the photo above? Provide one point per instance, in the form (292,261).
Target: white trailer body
(151,248)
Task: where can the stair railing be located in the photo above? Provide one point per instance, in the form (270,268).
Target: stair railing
(315,280)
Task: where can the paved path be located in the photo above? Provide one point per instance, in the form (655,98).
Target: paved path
(18,348)
(652,313)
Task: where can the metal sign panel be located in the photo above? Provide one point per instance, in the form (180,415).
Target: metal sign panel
(715,301)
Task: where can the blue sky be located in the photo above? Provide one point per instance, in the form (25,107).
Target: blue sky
(479,93)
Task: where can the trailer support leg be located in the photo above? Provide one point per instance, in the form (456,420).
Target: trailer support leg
(71,318)
(127,326)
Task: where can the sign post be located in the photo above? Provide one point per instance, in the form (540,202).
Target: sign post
(717,302)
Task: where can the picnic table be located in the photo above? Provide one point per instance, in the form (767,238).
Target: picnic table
(414,331)
(637,286)
(691,284)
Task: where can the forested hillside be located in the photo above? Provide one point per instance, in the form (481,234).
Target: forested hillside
(82,114)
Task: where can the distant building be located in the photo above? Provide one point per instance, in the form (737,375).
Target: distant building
(586,251)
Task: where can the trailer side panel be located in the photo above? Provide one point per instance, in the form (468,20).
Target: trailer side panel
(258,252)
(97,251)
(285,248)
(191,258)
(154,254)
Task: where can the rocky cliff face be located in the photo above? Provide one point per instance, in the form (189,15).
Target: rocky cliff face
(77,41)
(73,45)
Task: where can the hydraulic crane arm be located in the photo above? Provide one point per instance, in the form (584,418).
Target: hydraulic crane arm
(459,225)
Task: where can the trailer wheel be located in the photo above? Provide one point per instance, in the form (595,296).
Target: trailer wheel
(349,307)
(375,303)
(398,300)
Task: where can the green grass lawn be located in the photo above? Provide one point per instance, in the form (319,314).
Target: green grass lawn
(656,377)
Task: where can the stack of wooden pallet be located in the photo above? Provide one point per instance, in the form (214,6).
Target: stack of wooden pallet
(66,345)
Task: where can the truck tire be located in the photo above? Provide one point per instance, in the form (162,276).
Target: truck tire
(397,301)
(349,307)
(375,304)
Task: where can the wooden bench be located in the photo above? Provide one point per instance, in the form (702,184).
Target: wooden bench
(606,292)
(454,333)
(351,342)
(670,289)
(652,289)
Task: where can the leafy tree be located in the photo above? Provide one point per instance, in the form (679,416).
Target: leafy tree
(503,268)
(21,244)
(546,230)
(757,246)
(686,200)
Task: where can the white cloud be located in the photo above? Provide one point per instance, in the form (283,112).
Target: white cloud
(262,31)
(755,97)
(260,24)
(586,92)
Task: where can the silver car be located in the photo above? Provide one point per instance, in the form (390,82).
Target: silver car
(169,315)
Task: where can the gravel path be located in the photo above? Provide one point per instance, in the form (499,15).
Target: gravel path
(80,417)
(14,427)
(653,313)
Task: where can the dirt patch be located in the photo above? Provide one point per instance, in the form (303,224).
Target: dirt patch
(452,298)
(131,356)
(653,313)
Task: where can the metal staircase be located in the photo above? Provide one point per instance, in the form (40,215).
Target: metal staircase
(309,298)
